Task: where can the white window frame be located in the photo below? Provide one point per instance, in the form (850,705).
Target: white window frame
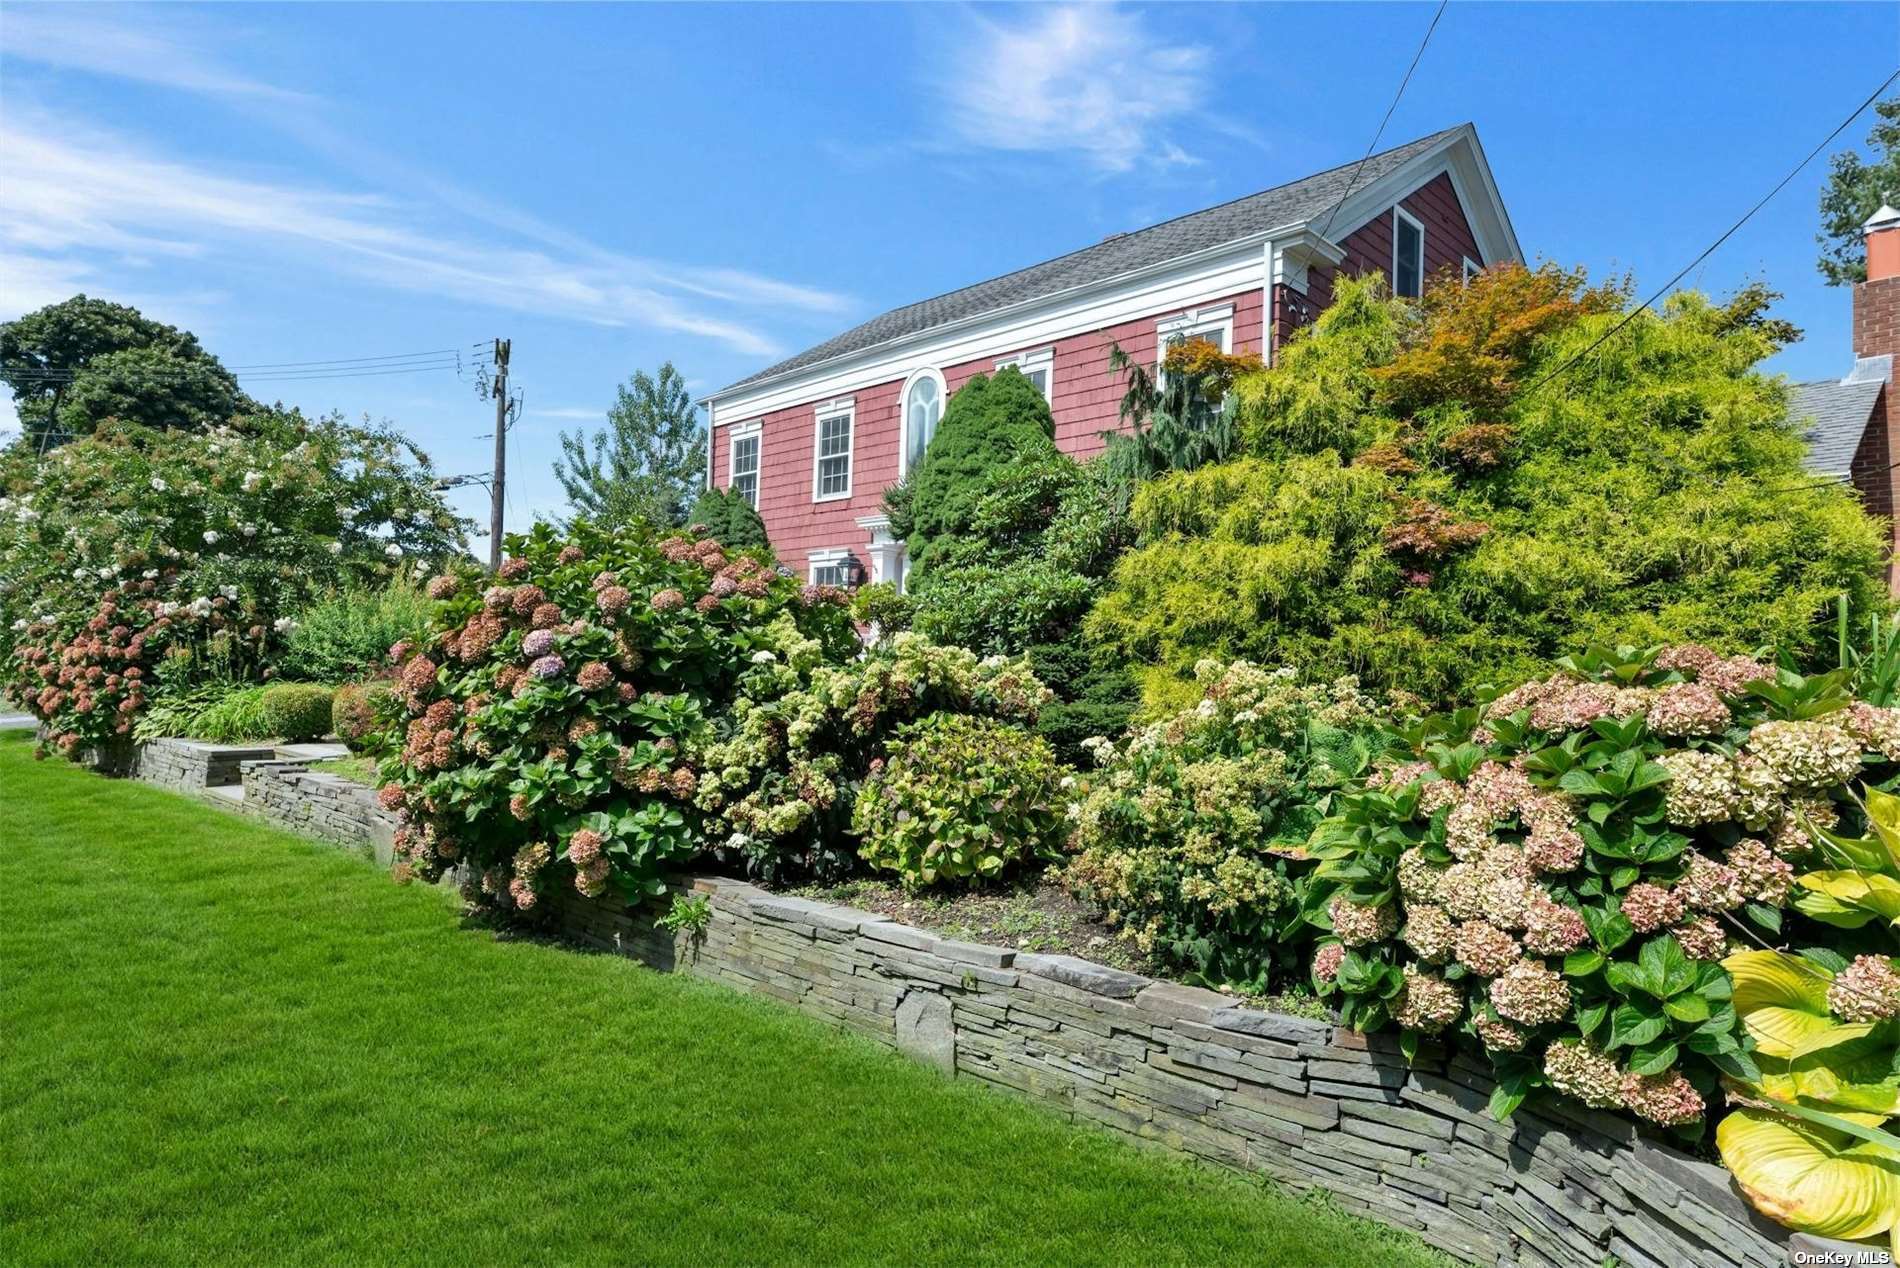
(1470,269)
(1399,213)
(1043,359)
(746,431)
(847,410)
(1216,324)
(903,412)
(827,557)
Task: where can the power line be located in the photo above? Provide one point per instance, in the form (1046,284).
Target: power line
(1711,249)
(1354,179)
(393,356)
(152,374)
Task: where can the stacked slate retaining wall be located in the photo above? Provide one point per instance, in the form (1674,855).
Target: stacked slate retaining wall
(318,804)
(193,765)
(1308,1103)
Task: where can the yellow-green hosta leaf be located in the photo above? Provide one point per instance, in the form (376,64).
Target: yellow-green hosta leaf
(1781,999)
(1883,815)
(1848,1067)
(1847,897)
(1782,1032)
(1812,1178)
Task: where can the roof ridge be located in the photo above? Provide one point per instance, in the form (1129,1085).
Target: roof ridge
(1289,202)
(1186,215)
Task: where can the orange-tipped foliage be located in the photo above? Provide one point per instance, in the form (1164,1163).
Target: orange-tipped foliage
(1204,362)
(1472,342)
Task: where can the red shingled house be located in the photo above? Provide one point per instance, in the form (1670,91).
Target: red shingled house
(815,440)
(1852,423)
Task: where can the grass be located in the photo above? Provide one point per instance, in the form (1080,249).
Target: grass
(221,1043)
(362,770)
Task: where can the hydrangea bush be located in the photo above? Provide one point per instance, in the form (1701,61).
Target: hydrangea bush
(1189,832)
(134,562)
(1558,875)
(783,764)
(550,723)
(960,797)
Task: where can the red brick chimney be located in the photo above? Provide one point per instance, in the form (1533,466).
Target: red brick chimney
(1876,467)
(1877,300)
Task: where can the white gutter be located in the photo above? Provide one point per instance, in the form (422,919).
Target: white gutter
(989,315)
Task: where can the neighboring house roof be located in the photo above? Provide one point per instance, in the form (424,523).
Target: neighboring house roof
(1839,410)
(1302,200)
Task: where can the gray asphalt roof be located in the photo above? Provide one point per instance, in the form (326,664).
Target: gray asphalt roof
(1839,412)
(1305,199)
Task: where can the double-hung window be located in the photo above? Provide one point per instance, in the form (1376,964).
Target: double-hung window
(743,463)
(1037,367)
(1216,325)
(1408,254)
(831,567)
(831,474)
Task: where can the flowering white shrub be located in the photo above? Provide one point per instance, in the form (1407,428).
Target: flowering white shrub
(1187,834)
(133,560)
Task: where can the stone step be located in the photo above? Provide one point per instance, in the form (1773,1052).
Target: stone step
(316,752)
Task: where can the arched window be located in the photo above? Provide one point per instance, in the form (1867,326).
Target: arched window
(923,406)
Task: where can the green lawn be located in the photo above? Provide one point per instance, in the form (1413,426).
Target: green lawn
(220,1043)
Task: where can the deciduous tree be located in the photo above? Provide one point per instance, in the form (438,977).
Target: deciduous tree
(646,464)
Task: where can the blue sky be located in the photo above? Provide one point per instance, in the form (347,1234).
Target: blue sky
(613,186)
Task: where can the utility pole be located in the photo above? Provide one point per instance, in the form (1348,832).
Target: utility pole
(495,489)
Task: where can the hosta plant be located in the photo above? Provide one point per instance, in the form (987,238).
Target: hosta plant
(1557,875)
(547,724)
(1189,831)
(960,799)
(1812,1145)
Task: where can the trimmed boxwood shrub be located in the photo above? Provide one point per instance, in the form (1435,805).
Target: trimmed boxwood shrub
(295,710)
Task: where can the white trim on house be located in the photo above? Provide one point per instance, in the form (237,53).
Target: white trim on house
(889,555)
(1219,271)
(827,557)
(1042,360)
(1228,268)
(846,409)
(903,412)
(1214,323)
(739,433)
(1418,273)
(1461,158)
(1468,269)
(1199,321)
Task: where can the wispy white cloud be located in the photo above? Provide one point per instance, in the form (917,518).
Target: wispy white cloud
(76,197)
(1093,80)
(72,191)
(565,413)
(77,37)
